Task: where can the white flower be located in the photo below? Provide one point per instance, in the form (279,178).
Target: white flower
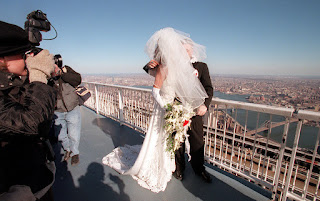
(177,122)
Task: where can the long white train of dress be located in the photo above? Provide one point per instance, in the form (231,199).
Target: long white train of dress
(150,164)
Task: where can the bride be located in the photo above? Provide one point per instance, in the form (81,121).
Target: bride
(150,164)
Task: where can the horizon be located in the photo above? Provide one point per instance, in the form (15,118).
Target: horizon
(216,75)
(241,37)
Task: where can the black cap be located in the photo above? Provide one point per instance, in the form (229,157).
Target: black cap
(13,39)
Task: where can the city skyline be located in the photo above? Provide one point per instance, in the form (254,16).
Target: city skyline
(242,37)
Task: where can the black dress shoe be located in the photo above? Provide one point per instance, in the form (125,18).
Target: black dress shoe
(177,175)
(205,176)
(75,159)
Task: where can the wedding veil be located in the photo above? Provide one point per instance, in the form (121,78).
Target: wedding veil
(167,46)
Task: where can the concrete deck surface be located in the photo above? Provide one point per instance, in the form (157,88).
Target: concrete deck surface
(90,180)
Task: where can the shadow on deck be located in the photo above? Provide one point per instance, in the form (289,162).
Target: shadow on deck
(90,180)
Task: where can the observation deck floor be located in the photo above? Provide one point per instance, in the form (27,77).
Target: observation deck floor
(90,180)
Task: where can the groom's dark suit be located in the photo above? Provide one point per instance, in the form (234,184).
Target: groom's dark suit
(196,129)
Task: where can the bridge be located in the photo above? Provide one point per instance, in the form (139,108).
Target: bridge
(243,167)
(269,125)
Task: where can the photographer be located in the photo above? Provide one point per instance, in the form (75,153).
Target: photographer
(26,110)
(67,113)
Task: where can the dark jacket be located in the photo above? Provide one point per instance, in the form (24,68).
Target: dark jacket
(195,131)
(204,77)
(196,128)
(26,112)
(66,84)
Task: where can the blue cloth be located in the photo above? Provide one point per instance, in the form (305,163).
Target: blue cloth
(68,128)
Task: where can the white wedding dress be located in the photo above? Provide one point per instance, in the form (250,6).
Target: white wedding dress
(150,164)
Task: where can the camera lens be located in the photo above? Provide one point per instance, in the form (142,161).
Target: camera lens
(58,60)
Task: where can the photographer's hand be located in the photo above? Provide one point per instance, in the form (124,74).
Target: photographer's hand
(40,66)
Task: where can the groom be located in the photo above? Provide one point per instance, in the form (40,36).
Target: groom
(196,129)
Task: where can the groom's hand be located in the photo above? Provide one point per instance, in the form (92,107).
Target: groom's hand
(201,110)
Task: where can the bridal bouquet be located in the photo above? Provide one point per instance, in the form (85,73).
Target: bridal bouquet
(177,121)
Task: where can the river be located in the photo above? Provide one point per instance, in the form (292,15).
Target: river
(308,133)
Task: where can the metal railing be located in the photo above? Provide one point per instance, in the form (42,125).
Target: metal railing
(129,105)
(273,147)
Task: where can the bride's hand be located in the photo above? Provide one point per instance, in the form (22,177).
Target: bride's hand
(153,63)
(201,110)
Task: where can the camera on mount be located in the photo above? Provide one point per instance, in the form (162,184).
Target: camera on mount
(36,21)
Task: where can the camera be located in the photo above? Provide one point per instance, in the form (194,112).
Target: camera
(36,21)
(58,60)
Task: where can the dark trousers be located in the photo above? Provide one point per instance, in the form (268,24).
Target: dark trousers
(196,148)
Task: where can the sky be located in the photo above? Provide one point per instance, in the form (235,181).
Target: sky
(245,37)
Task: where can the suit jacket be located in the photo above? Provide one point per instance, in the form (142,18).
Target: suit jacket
(196,128)
(204,77)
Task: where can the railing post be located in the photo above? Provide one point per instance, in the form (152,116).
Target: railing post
(243,142)
(207,137)
(292,159)
(97,98)
(312,164)
(233,137)
(317,189)
(280,157)
(120,107)
(215,131)
(224,136)
(254,144)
